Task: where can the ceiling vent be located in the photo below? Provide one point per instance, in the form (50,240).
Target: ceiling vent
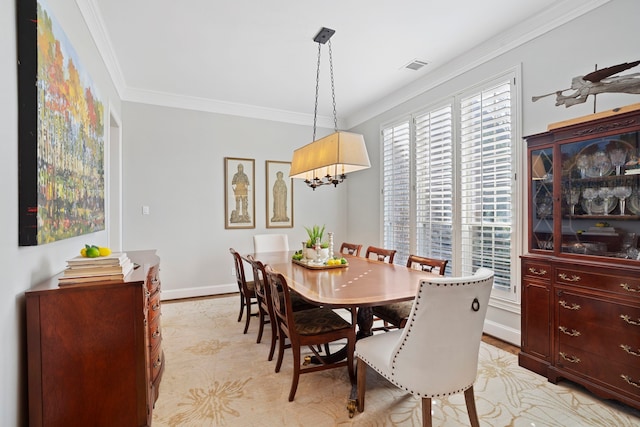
(415,65)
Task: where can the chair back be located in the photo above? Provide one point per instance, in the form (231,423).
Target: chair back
(427,264)
(438,351)
(263,294)
(240,276)
(280,299)
(350,249)
(270,243)
(381,254)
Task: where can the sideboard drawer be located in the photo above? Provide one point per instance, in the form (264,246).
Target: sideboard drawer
(606,280)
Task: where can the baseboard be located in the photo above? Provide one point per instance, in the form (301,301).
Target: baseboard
(502,332)
(202,291)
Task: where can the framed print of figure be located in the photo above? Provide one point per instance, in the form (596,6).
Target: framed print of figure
(279,195)
(239,193)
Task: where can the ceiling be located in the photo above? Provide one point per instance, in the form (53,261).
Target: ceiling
(258,58)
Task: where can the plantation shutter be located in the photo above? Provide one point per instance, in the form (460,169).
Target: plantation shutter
(396,187)
(434,184)
(486,183)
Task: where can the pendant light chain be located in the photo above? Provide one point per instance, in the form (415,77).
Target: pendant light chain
(333,91)
(315,110)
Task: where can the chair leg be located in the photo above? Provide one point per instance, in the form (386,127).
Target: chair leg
(361,372)
(274,338)
(281,339)
(471,407)
(241,307)
(260,325)
(248,304)
(296,372)
(426,412)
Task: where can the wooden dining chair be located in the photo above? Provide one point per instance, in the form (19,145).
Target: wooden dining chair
(350,249)
(312,328)
(436,355)
(395,315)
(381,254)
(246,289)
(265,306)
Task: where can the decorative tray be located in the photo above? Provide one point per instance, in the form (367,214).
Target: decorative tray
(313,266)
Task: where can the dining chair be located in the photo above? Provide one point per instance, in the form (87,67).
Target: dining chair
(270,243)
(350,249)
(396,314)
(246,288)
(436,354)
(312,328)
(381,254)
(265,307)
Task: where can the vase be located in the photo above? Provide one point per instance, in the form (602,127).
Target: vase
(311,254)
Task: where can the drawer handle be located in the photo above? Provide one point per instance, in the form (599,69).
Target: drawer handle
(572,359)
(573,306)
(628,379)
(627,319)
(156,334)
(155,307)
(628,288)
(532,270)
(573,332)
(157,363)
(627,348)
(566,278)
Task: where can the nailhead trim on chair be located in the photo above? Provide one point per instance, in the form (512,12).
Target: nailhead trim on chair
(408,328)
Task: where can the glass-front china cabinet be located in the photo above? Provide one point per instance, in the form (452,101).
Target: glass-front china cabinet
(581,277)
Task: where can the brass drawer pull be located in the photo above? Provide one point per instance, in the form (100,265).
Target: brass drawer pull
(629,321)
(155,307)
(157,363)
(628,288)
(573,332)
(627,348)
(569,279)
(573,306)
(628,379)
(532,270)
(572,359)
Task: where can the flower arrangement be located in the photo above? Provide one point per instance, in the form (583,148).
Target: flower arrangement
(316,233)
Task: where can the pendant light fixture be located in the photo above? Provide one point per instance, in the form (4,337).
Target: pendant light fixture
(328,159)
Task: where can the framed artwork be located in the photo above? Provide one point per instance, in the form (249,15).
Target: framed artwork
(279,195)
(239,193)
(60,134)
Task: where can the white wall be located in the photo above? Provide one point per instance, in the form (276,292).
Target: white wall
(606,36)
(174,163)
(22,267)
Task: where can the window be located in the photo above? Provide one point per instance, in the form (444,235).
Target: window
(448,180)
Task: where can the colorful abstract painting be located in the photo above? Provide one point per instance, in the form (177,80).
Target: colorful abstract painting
(68,162)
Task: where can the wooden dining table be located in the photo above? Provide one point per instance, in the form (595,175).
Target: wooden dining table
(362,284)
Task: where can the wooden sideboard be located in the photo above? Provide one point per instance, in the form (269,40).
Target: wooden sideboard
(581,276)
(94,351)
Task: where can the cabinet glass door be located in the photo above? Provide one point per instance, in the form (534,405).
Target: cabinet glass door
(600,203)
(541,173)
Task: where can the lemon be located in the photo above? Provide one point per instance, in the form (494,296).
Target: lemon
(83,252)
(104,251)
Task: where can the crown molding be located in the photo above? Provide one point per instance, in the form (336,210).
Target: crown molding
(550,19)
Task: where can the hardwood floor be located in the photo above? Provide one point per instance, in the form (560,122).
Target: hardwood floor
(503,345)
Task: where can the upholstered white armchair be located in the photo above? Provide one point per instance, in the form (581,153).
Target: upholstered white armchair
(270,243)
(436,354)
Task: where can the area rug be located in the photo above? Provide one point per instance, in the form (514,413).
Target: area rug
(217,376)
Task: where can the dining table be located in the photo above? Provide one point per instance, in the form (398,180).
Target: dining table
(357,286)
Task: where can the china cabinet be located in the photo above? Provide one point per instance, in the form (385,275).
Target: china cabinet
(94,352)
(581,275)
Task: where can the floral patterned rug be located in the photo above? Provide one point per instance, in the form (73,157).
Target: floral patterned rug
(217,376)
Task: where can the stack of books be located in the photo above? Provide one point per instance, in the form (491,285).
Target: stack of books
(114,267)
